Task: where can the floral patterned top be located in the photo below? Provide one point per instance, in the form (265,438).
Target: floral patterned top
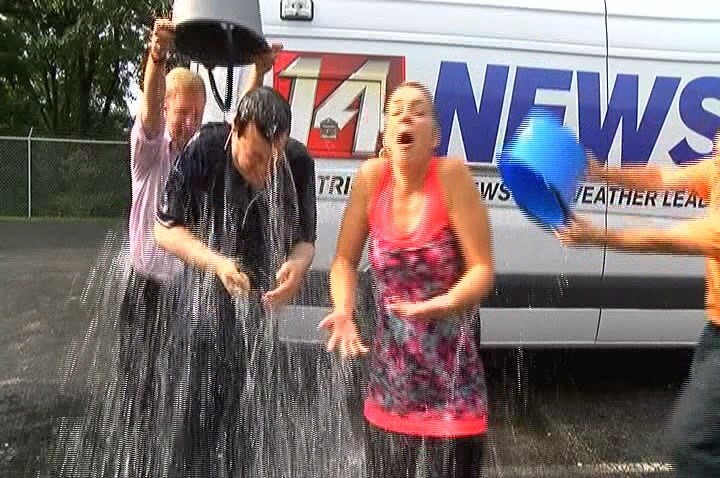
(426,377)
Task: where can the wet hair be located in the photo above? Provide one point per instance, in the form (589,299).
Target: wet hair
(426,94)
(265,108)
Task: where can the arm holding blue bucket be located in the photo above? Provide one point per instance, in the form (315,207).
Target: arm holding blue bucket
(692,178)
(694,237)
(544,164)
(699,237)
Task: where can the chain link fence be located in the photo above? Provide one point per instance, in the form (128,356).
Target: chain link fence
(52,177)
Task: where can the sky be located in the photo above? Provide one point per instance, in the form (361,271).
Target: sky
(132,99)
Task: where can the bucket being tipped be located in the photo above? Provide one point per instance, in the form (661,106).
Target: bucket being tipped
(542,166)
(224,33)
(219,32)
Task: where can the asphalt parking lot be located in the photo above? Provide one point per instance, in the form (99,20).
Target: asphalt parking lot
(589,413)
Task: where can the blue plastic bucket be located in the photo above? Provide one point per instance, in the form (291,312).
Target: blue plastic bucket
(542,167)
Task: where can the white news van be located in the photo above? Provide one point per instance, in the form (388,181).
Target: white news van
(637,80)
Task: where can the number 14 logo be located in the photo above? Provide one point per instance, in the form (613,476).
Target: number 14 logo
(337,100)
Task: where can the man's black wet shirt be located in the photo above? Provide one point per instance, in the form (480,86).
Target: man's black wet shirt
(208,195)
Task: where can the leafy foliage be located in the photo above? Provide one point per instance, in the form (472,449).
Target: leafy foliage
(66,66)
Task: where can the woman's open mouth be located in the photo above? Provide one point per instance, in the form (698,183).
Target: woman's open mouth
(405,139)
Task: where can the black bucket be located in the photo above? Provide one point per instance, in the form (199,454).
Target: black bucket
(214,43)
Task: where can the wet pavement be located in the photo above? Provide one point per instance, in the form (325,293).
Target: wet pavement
(585,413)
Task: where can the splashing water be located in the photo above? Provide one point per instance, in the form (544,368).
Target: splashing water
(303,424)
(205,387)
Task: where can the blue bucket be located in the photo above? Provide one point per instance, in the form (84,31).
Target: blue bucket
(542,167)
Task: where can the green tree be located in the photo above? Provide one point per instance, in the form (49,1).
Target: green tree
(66,66)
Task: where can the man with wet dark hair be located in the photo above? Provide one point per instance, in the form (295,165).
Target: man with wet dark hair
(239,210)
(233,165)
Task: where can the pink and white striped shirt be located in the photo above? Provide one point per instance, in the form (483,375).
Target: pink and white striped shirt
(150,164)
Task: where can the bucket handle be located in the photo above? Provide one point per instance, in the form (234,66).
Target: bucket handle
(224,105)
(567,212)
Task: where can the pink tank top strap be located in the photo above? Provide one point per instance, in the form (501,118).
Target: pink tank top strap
(437,212)
(379,202)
